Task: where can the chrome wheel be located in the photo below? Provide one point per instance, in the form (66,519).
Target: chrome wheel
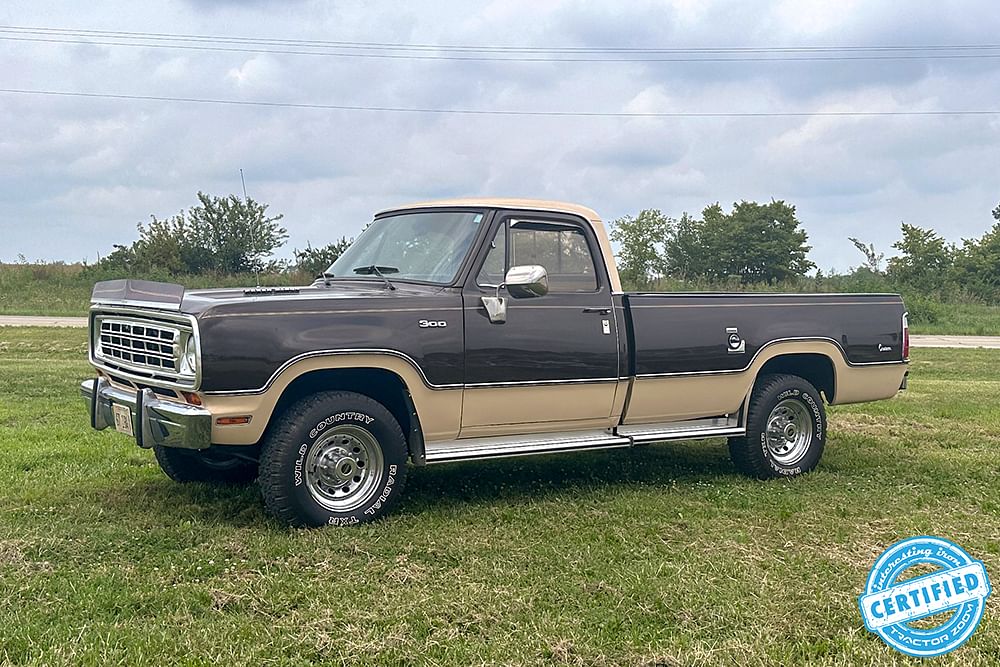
(789,431)
(344,468)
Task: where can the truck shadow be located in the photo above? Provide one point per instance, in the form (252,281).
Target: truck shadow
(523,479)
(539,477)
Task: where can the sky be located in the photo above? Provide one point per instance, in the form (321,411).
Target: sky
(77,174)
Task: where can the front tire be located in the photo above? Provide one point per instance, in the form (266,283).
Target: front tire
(786,429)
(215,465)
(333,458)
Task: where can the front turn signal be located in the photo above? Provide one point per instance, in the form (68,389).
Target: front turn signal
(233,421)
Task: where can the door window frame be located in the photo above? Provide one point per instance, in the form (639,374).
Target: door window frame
(508,219)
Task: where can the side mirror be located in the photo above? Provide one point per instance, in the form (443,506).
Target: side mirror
(526,281)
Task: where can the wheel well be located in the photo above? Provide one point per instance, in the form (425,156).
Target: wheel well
(816,368)
(379,384)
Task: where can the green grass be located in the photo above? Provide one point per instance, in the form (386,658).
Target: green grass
(961,318)
(64,289)
(658,555)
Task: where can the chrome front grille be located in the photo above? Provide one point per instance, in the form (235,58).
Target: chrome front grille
(154,346)
(145,349)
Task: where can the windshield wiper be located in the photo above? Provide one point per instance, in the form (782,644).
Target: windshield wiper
(379,271)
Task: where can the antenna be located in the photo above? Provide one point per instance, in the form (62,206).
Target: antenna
(246,203)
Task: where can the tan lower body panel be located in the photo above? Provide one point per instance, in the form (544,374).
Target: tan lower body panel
(678,397)
(685,397)
(858,384)
(537,409)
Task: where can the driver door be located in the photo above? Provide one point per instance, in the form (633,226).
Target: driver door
(553,364)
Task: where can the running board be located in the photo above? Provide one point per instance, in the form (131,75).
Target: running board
(692,429)
(520,445)
(571,441)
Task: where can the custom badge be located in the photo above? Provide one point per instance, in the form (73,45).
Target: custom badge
(954,593)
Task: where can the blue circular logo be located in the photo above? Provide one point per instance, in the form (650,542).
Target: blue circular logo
(954,592)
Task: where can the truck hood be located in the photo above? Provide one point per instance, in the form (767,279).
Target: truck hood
(173,297)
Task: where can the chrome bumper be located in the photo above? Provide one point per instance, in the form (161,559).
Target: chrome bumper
(155,422)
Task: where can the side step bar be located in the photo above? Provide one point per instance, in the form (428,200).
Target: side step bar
(571,441)
(519,445)
(693,429)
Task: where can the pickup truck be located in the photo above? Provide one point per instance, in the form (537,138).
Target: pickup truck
(469,329)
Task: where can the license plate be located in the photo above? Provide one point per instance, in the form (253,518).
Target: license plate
(123,419)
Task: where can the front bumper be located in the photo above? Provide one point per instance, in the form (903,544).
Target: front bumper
(155,422)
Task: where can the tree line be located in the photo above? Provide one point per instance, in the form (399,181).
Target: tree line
(762,245)
(754,245)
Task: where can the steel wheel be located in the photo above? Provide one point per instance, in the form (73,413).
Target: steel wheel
(344,468)
(789,431)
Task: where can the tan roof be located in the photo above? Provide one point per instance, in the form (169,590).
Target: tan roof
(534,205)
(507,202)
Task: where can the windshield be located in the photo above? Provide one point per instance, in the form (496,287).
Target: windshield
(427,246)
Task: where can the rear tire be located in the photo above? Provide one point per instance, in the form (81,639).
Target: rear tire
(214,465)
(334,458)
(786,429)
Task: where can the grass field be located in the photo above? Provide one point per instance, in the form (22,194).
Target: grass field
(62,289)
(658,555)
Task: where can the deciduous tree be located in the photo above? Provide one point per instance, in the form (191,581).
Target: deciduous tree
(640,246)
(924,261)
(755,242)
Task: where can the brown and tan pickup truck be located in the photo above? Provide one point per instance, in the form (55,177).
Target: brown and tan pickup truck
(466,329)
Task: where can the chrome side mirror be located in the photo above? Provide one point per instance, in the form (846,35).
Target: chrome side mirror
(521,282)
(527,281)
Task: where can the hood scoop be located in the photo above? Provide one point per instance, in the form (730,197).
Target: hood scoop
(269,291)
(143,293)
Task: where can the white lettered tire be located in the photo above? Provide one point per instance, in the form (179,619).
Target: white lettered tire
(786,429)
(334,458)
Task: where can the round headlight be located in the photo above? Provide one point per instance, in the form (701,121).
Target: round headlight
(189,361)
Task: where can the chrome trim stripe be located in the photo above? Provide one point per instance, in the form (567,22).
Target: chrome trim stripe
(163,306)
(765,295)
(211,315)
(408,359)
(536,383)
(765,305)
(794,339)
(581,307)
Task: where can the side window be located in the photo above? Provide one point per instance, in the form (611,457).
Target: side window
(562,249)
(495,266)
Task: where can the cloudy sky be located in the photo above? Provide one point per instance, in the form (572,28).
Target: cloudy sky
(77,174)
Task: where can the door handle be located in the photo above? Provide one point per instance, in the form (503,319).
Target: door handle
(599,311)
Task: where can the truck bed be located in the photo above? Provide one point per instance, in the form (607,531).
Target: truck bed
(689,332)
(697,355)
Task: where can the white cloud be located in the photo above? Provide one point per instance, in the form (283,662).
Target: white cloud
(816,17)
(259,73)
(90,169)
